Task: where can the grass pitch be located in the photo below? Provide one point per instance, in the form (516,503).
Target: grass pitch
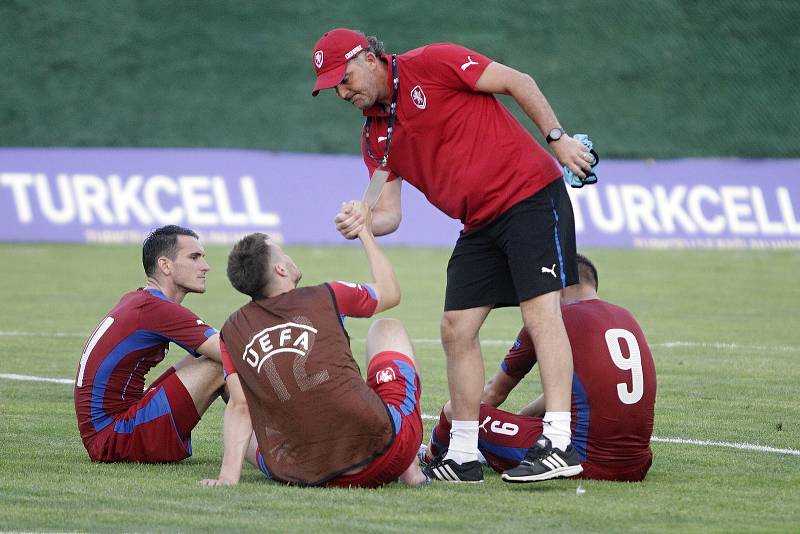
(723,327)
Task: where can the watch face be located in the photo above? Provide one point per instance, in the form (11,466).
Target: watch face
(555,134)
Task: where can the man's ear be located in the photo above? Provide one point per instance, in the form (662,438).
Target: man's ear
(164,265)
(280,270)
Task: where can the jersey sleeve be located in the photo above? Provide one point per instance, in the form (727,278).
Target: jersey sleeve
(354,300)
(228,368)
(521,357)
(454,65)
(177,324)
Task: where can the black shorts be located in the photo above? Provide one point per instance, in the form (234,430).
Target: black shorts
(527,251)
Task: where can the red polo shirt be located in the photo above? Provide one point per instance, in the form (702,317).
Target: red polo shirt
(460,147)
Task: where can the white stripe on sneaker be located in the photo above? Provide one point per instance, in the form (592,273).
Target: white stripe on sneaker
(550,462)
(451,474)
(444,473)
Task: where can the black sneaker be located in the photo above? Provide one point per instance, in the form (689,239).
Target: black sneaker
(450,471)
(544,462)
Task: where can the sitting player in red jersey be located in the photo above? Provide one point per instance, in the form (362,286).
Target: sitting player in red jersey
(299,408)
(118,418)
(613,395)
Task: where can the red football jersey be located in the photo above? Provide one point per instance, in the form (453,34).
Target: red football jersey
(459,146)
(614,382)
(132,339)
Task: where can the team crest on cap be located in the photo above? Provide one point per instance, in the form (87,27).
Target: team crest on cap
(418,97)
(318,57)
(385,375)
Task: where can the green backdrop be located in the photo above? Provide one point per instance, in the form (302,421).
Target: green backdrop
(646,79)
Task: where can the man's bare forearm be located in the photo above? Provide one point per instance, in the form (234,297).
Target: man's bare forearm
(382,271)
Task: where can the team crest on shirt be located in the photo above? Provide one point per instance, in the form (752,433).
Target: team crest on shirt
(318,57)
(418,97)
(385,375)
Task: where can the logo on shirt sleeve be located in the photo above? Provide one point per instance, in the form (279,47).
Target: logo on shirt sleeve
(469,63)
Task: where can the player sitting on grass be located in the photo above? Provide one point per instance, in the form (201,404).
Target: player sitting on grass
(293,380)
(613,395)
(121,420)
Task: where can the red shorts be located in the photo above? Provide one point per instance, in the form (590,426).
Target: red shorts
(157,428)
(504,438)
(394,378)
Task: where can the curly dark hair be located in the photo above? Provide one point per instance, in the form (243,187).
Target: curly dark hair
(248,265)
(375,45)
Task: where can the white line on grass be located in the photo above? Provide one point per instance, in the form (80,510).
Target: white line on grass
(16,333)
(700,442)
(726,346)
(29,378)
(744,446)
(503,342)
(428,417)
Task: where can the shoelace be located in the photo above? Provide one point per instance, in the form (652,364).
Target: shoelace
(537,452)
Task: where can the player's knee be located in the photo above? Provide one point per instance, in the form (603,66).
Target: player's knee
(448,329)
(386,328)
(203,375)
(388,335)
(455,331)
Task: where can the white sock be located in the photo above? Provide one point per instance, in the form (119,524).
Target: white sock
(463,442)
(556,428)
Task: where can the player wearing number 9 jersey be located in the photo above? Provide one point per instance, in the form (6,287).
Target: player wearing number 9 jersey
(613,393)
(295,387)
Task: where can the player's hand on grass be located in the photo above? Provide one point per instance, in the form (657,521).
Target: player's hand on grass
(216,482)
(573,154)
(350,219)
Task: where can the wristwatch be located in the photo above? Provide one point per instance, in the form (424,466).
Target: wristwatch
(554,135)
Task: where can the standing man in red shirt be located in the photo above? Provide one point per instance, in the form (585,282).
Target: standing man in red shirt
(432,119)
(613,394)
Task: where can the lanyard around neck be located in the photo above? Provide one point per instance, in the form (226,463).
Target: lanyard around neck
(392,117)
